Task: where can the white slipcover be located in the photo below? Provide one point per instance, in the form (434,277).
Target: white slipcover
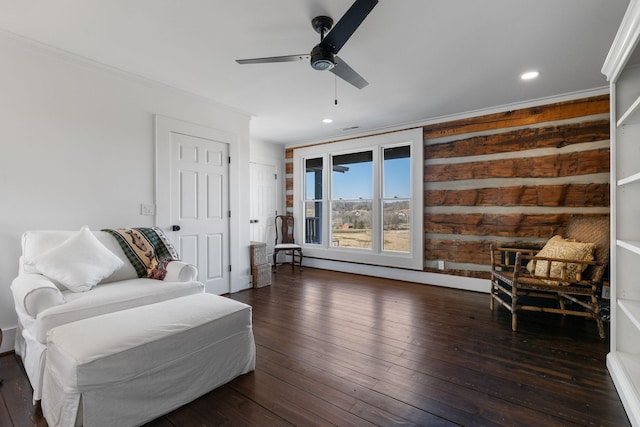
(129,367)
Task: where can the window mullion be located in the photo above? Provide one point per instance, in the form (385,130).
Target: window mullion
(376,226)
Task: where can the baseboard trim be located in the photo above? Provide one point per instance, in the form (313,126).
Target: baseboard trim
(245,283)
(427,278)
(626,390)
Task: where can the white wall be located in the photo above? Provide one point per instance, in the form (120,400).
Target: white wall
(77,147)
(267,153)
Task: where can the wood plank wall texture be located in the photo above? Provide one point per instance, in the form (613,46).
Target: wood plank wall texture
(507,177)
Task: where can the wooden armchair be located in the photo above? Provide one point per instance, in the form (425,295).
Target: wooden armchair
(516,287)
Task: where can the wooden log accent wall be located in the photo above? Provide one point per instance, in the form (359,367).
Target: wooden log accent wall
(288,171)
(515,176)
(511,177)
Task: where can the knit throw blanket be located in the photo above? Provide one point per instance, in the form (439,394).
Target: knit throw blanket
(148,249)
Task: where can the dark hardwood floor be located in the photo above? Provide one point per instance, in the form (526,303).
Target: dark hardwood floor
(341,349)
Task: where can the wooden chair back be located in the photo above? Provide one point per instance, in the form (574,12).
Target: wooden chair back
(284,229)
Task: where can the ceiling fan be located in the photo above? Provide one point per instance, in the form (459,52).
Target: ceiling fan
(324,56)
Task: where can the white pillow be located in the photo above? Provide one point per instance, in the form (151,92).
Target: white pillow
(79,263)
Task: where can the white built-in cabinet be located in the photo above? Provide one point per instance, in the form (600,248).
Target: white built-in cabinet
(622,68)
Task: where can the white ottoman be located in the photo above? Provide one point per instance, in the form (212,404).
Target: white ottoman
(129,367)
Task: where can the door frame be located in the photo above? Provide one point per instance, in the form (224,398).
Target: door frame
(164,126)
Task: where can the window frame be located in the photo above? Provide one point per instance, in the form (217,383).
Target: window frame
(376,255)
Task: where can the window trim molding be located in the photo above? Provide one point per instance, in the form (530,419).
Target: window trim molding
(413,260)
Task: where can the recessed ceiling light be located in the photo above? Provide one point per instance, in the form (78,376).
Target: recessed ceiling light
(530,75)
(327,120)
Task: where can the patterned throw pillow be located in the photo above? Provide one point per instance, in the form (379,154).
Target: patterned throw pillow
(557,247)
(144,247)
(160,270)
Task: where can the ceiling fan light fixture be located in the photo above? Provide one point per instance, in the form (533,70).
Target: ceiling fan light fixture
(321,59)
(332,37)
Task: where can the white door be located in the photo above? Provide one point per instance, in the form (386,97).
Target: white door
(192,196)
(263,204)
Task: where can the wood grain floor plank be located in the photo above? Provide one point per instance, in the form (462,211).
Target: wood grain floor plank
(376,414)
(225,407)
(17,394)
(467,407)
(5,417)
(317,372)
(302,406)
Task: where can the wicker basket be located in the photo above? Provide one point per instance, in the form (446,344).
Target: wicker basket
(258,253)
(261,275)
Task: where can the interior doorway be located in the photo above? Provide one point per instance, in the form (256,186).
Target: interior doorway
(192,197)
(264,204)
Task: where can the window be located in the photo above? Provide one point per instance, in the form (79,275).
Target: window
(352,200)
(361,200)
(313,201)
(396,199)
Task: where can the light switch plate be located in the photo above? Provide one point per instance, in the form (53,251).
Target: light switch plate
(147,209)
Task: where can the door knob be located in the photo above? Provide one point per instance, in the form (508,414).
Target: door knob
(175,228)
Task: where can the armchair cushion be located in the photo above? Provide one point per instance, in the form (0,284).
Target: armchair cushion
(287,246)
(35,293)
(559,248)
(79,263)
(109,298)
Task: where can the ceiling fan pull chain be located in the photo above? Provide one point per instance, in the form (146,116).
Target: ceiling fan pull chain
(335,86)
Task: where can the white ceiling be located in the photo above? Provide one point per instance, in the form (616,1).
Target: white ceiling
(423,58)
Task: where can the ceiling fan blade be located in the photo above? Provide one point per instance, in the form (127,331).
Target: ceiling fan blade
(347,25)
(288,58)
(348,74)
